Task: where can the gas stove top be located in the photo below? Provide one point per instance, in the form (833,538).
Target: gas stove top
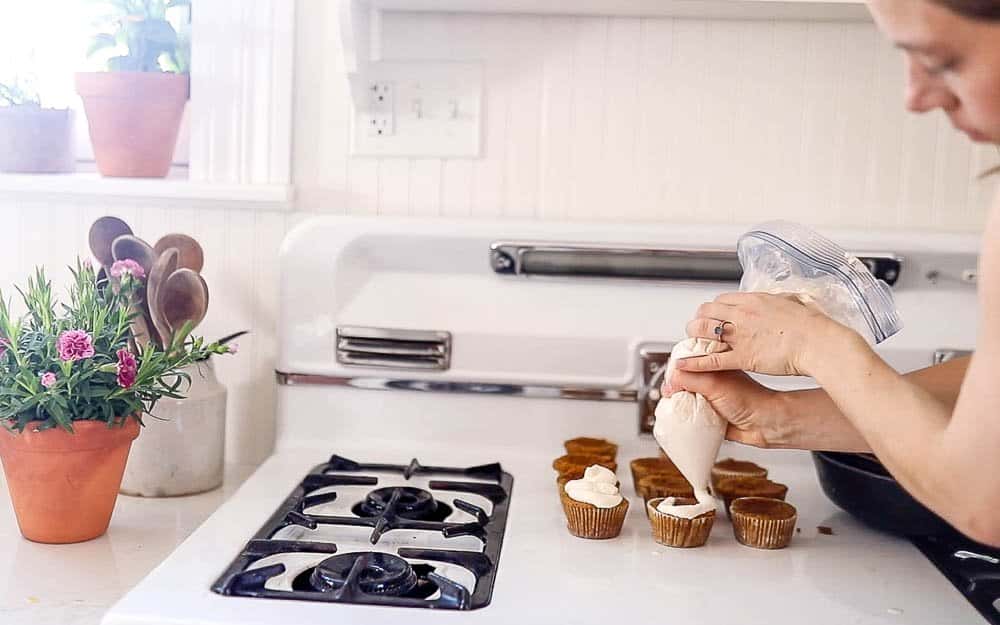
(380,534)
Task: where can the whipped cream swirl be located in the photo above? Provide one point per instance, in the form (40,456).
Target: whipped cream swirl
(598,487)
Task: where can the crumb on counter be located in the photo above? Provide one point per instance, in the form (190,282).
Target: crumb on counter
(824,530)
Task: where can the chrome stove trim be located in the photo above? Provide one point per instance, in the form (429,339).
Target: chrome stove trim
(535,391)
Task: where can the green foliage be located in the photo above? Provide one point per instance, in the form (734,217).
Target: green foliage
(140,28)
(87,388)
(19,91)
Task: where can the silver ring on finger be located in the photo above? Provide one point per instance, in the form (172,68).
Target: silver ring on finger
(721,329)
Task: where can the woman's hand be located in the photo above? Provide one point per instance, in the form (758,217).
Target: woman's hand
(772,334)
(746,405)
(763,417)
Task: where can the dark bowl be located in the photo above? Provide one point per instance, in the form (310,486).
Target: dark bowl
(860,485)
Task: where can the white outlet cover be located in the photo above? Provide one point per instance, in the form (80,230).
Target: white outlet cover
(436,110)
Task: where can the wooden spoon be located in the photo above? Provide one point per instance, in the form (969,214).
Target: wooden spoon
(130,246)
(182,299)
(191,254)
(103,232)
(163,268)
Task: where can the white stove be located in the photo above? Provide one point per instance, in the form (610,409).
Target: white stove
(474,343)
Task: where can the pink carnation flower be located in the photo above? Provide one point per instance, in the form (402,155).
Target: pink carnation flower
(129,266)
(127,368)
(48,379)
(75,345)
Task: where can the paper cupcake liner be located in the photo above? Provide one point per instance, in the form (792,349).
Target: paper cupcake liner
(585,520)
(763,533)
(674,531)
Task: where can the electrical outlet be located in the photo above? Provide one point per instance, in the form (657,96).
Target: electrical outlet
(419,109)
(381,114)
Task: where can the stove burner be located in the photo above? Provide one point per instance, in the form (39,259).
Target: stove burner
(422,589)
(381,573)
(414,504)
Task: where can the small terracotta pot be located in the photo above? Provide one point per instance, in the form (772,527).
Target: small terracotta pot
(63,486)
(134,118)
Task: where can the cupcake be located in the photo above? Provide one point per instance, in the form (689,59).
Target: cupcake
(763,523)
(641,467)
(674,529)
(664,485)
(733,488)
(573,465)
(594,506)
(731,467)
(584,446)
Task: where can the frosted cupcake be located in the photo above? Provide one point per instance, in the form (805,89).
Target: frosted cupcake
(593,504)
(680,522)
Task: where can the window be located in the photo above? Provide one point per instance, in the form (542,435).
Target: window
(44,42)
(237,130)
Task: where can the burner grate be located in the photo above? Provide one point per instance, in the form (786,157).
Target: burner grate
(376,577)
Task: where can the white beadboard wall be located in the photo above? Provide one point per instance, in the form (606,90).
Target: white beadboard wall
(586,118)
(650,119)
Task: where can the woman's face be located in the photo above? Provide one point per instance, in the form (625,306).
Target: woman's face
(953,63)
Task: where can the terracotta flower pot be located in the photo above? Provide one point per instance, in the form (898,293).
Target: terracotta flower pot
(36,140)
(63,486)
(134,118)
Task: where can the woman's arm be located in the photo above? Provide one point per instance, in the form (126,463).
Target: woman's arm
(821,425)
(807,419)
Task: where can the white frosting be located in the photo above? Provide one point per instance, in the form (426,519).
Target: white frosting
(690,432)
(598,487)
(706,503)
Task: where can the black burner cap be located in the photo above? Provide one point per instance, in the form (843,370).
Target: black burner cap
(413,503)
(381,573)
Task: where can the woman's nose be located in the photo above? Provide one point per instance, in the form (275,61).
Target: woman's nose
(923,92)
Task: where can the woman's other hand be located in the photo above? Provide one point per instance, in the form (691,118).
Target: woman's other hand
(772,334)
(750,409)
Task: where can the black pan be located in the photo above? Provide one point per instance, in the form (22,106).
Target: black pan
(860,485)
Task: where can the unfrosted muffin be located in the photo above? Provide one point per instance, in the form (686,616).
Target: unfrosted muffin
(674,530)
(586,446)
(733,488)
(664,485)
(593,505)
(641,467)
(730,467)
(763,523)
(573,465)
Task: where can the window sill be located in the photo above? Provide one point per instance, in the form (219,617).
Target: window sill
(91,186)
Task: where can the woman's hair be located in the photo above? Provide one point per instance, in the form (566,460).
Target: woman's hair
(974,9)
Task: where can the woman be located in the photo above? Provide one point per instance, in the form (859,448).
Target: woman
(936,430)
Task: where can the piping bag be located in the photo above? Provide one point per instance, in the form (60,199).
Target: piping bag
(778,258)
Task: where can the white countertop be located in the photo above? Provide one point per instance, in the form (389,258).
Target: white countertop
(75,584)
(856,575)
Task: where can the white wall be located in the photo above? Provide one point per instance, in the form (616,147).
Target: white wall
(650,119)
(613,119)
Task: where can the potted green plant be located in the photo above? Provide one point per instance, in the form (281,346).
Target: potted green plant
(73,389)
(33,139)
(134,109)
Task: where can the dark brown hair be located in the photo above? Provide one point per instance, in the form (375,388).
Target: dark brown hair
(974,9)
